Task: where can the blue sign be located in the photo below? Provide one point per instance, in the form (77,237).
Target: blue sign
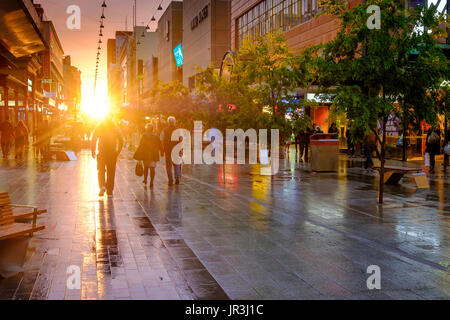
(178,53)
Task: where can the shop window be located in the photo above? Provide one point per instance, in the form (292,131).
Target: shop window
(306,10)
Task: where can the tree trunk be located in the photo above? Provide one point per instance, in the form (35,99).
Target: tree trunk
(382,159)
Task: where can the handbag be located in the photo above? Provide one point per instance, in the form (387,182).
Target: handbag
(139,170)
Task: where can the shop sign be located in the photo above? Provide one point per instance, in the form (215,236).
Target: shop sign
(178,54)
(392,125)
(323,98)
(202,15)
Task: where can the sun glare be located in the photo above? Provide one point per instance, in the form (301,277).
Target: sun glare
(95,106)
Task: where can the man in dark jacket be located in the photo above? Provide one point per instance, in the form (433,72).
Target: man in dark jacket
(110,143)
(433,146)
(166,137)
(7,137)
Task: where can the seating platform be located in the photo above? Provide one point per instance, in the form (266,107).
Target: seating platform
(393,174)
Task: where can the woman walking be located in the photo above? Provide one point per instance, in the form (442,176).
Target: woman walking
(21,138)
(148,152)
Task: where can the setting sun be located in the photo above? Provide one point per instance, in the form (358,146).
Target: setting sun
(95,105)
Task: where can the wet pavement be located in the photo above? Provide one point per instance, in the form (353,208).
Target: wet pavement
(230,233)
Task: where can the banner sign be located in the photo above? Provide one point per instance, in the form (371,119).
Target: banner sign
(178,54)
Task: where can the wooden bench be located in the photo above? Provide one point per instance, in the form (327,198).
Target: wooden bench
(9,228)
(393,174)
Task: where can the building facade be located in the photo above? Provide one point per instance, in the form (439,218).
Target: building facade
(294,17)
(170,35)
(72,88)
(53,71)
(206,35)
(146,64)
(21,41)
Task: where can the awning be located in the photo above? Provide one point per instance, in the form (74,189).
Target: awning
(20,33)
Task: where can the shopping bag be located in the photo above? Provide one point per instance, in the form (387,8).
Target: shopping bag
(139,170)
(427,159)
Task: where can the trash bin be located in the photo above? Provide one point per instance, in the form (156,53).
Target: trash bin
(324,152)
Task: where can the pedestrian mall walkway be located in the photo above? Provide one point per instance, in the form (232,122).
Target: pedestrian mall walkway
(229,233)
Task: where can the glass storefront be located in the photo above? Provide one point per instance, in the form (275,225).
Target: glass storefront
(272,15)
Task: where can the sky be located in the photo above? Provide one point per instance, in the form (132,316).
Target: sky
(82,44)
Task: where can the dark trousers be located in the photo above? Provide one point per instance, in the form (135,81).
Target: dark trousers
(446,160)
(172,169)
(432,161)
(6,146)
(304,147)
(368,154)
(351,149)
(106,166)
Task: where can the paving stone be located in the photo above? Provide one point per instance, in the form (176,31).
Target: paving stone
(297,235)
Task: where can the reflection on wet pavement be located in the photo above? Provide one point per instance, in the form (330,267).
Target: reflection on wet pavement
(230,233)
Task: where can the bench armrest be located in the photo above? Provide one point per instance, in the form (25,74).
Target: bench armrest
(22,206)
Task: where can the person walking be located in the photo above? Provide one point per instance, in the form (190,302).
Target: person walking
(350,143)
(7,137)
(433,146)
(20,139)
(297,141)
(148,152)
(43,139)
(369,144)
(306,138)
(110,143)
(166,138)
(446,154)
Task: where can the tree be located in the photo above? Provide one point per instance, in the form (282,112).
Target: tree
(172,99)
(262,85)
(369,71)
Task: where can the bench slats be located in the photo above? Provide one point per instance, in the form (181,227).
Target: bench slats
(401,169)
(25,213)
(17,229)
(8,227)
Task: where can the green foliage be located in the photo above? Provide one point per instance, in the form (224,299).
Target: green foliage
(374,72)
(368,71)
(172,99)
(262,85)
